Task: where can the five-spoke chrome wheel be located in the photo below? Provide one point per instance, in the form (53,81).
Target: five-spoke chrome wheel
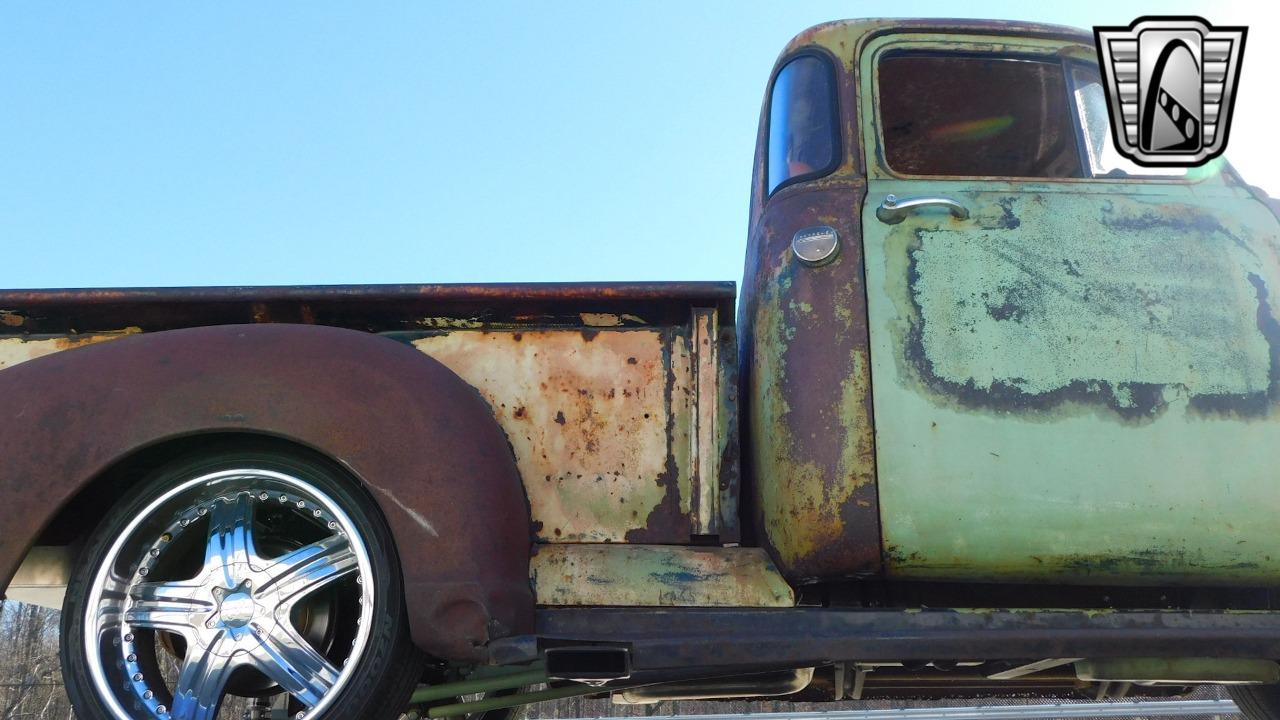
(247,582)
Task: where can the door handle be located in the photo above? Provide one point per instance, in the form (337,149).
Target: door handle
(895,209)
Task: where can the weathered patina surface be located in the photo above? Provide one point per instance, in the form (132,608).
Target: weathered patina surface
(373,405)
(656,575)
(21,348)
(807,373)
(813,461)
(1078,382)
(611,395)
(1060,383)
(599,422)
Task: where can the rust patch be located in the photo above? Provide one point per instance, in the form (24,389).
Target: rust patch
(419,438)
(596,437)
(370,308)
(674,507)
(813,454)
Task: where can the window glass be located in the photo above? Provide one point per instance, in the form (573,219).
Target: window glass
(947,114)
(802,122)
(1095,121)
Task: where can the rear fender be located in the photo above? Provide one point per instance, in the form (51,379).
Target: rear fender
(420,439)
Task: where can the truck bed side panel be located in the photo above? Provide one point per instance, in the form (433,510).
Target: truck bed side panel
(613,396)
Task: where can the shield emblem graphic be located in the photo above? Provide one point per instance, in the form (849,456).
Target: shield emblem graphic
(1170,87)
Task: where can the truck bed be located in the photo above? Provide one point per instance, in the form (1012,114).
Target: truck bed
(617,398)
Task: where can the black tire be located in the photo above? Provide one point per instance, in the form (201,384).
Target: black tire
(386,665)
(1257,702)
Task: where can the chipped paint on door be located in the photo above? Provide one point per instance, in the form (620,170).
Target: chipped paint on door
(1096,405)
(1003,314)
(600,423)
(1078,383)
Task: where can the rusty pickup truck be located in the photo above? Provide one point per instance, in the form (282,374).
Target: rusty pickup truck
(999,413)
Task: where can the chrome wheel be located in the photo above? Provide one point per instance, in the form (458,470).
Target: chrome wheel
(247,582)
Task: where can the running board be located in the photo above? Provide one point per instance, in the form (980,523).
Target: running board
(669,639)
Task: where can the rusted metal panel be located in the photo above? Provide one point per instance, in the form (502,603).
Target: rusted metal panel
(813,458)
(422,441)
(378,308)
(577,292)
(705,449)
(1079,382)
(599,422)
(728,424)
(657,575)
(18,349)
(608,410)
(803,336)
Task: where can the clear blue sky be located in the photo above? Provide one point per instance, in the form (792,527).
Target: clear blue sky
(282,143)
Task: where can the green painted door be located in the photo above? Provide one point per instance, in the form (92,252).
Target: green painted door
(1077,382)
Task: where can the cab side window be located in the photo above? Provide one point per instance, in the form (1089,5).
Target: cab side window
(977,115)
(804,136)
(1095,122)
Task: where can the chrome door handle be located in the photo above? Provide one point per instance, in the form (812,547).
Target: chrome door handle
(895,209)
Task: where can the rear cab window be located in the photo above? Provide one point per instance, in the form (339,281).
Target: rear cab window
(804,140)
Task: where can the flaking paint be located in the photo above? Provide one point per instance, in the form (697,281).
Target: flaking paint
(1077,383)
(804,347)
(656,576)
(599,424)
(810,412)
(601,416)
(15,350)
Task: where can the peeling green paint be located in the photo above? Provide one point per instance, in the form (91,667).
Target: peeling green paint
(1078,383)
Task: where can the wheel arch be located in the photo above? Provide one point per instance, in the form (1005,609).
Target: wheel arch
(70,525)
(420,440)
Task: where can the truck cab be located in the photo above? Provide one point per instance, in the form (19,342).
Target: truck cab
(982,346)
(996,415)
